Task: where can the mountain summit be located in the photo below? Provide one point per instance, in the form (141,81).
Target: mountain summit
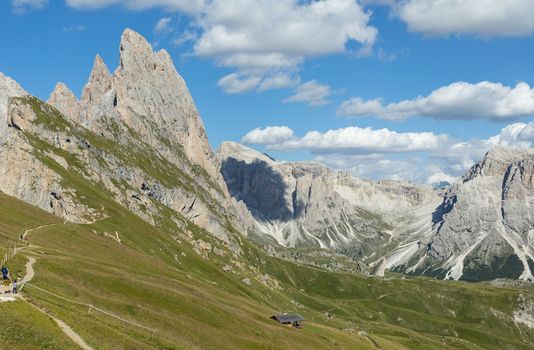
(137,132)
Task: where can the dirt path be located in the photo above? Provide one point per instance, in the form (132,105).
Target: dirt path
(29,271)
(25,234)
(75,337)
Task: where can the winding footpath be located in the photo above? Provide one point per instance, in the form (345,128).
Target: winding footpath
(69,332)
(25,234)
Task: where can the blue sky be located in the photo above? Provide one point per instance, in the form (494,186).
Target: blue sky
(415,90)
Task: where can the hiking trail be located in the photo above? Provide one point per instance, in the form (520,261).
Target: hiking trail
(69,332)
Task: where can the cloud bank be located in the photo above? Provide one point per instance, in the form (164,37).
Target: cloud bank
(460,100)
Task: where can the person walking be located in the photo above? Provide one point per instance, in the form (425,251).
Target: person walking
(15,288)
(5,273)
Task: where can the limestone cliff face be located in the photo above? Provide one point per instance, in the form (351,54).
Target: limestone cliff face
(66,102)
(481,228)
(8,88)
(305,204)
(148,95)
(136,132)
(136,137)
(485,226)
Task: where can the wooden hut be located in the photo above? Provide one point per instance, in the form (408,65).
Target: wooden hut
(290,320)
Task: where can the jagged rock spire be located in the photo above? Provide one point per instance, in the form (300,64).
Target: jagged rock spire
(135,52)
(147,84)
(100,81)
(65,101)
(8,88)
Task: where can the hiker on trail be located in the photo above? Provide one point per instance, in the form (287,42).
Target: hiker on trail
(5,273)
(15,291)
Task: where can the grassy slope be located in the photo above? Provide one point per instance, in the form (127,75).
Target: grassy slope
(195,304)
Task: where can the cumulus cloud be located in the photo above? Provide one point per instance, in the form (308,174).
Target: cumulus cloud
(373,166)
(163,25)
(187,6)
(422,157)
(234,83)
(263,38)
(310,92)
(519,135)
(485,18)
(184,37)
(22,6)
(440,176)
(278,81)
(357,140)
(458,100)
(268,136)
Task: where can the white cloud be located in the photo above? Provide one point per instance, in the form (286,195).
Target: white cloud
(310,92)
(386,56)
(184,37)
(265,38)
(187,6)
(288,27)
(458,100)
(355,140)
(234,84)
(519,135)
(22,6)
(422,157)
(260,39)
(163,25)
(74,28)
(440,176)
(268,136)
(373,166)
(238,83)
(476,17)
(278,81)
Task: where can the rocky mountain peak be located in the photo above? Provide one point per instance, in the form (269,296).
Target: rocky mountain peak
(8,88)
(497,160)
(152,98)
(64,100)
(134,50)
(100,81)
(229,149)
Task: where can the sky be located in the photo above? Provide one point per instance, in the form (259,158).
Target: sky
(414,90)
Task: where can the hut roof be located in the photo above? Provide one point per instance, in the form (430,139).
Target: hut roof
(288,318)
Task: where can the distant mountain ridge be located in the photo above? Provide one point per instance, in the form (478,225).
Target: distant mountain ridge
(480,228)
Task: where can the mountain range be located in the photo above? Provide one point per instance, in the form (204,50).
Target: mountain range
(126,175)
(480,228)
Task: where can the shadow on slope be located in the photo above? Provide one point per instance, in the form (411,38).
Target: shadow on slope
(260,187)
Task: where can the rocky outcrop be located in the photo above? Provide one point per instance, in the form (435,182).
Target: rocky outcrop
(23,173)
(484,228)
(305,204)
(136,131)
(8,88)
(66,102)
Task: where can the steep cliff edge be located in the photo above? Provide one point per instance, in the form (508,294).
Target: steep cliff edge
(484,228)
(305,204)
(136,134)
